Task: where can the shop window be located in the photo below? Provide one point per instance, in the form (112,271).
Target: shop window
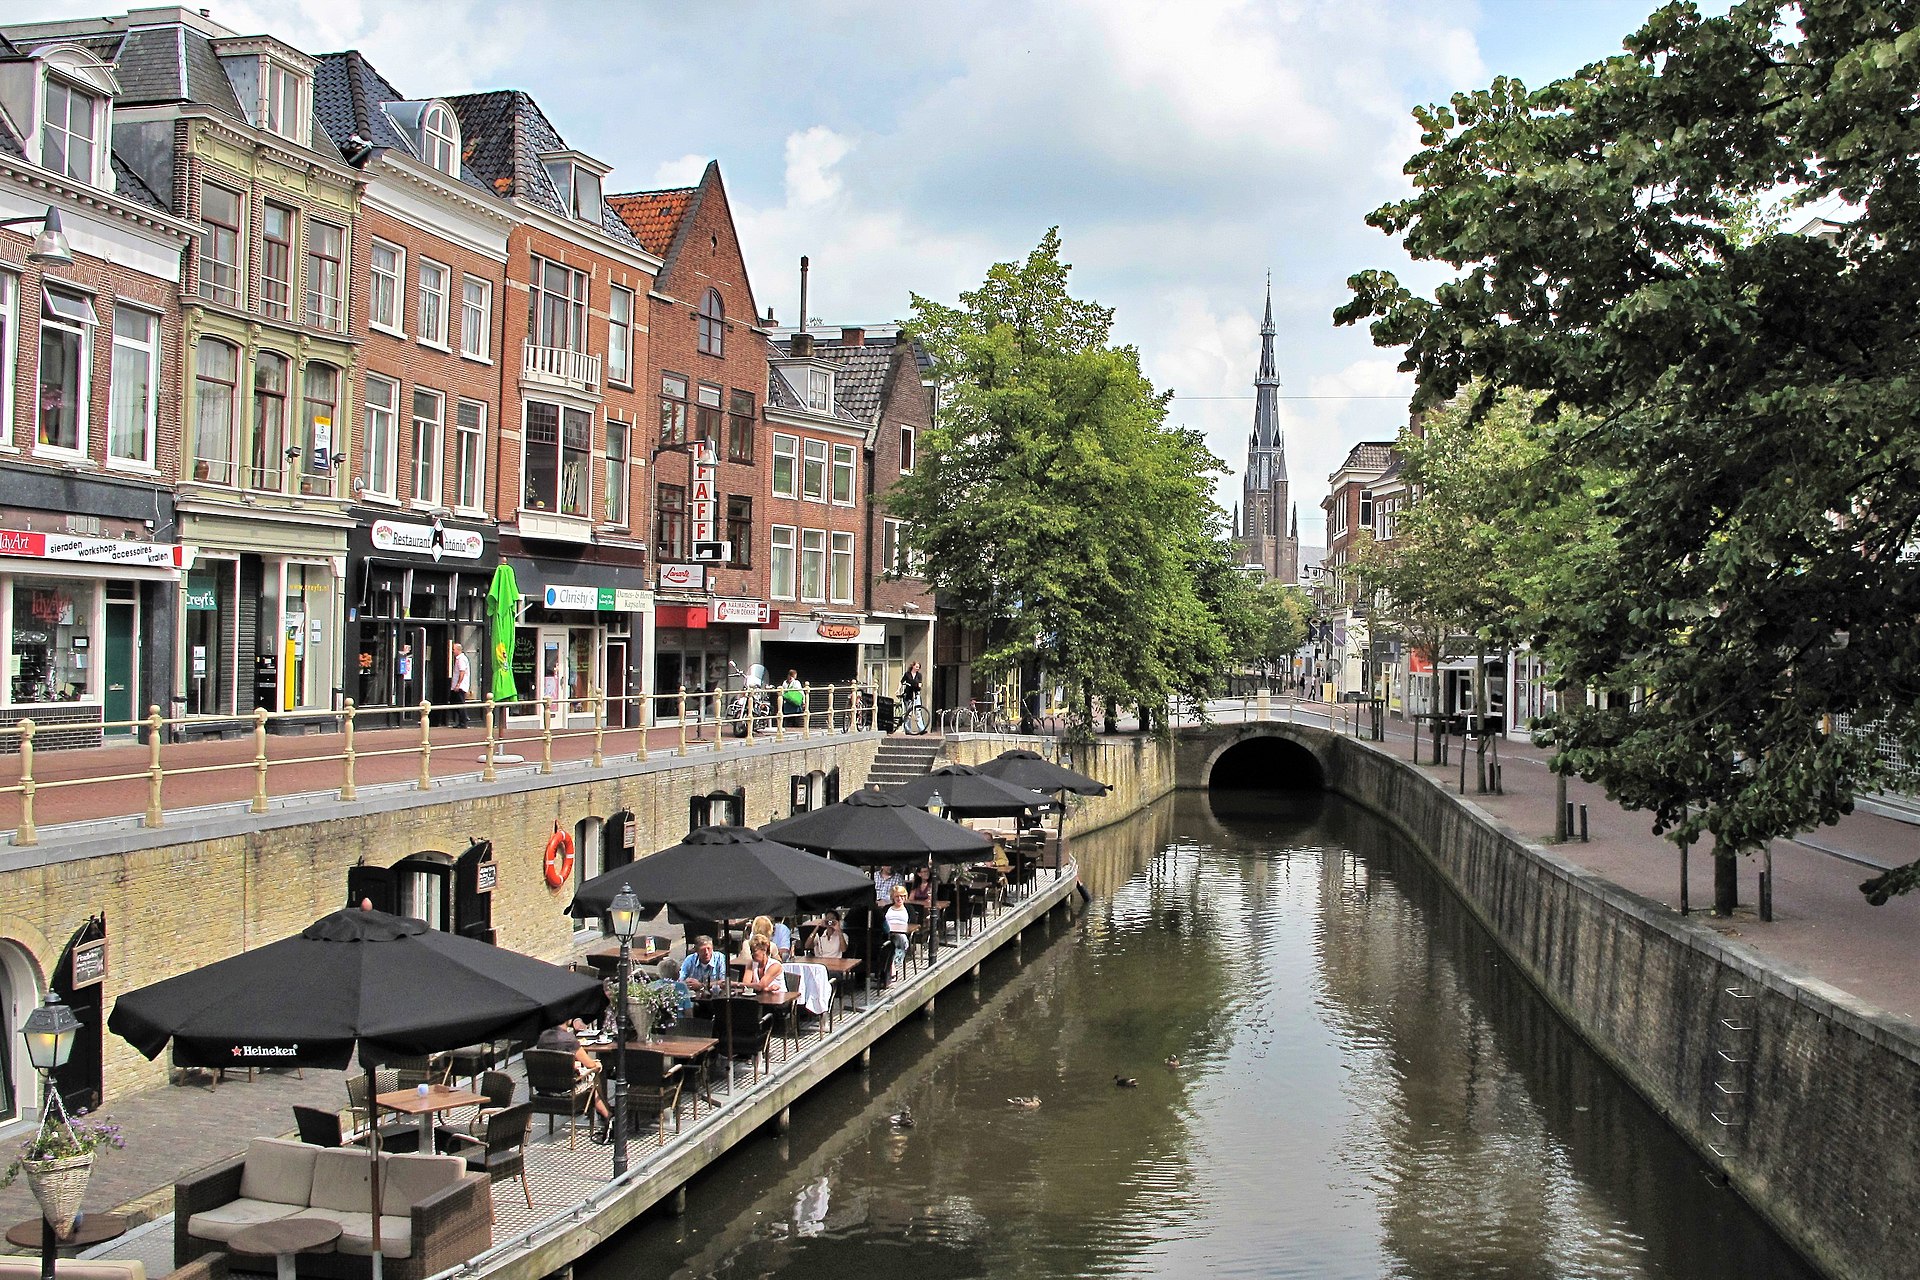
(670,522)
(136,379)
(742,420)
(813,565)
(66,358)
(216,368)
(843,475)
(782,544)
(558,459)
(470,454)
(269,435)
(841,575)
(383,397)
(321,408)
(304,668)
(673,409)
(786,461)
(740,530)
(813,473)
(53,656)
(211,637)
(276,262)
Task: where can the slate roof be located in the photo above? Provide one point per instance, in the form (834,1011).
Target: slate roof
(349,99)
(504,133)
(1371,455)
(780,392)
(148,63)
(654,216)
(861,378)
(131,186)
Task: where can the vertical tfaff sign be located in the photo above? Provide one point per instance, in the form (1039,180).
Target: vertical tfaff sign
(703,483)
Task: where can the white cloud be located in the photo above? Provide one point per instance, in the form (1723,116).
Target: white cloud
(811,157)
(683,172)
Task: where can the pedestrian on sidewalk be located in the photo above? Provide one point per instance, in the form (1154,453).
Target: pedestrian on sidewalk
(462,686)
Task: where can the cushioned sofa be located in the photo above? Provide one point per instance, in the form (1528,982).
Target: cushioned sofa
(433,1213)
(212,1266)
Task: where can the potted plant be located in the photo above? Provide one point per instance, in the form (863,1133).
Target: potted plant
(58,1161)
(654,1004)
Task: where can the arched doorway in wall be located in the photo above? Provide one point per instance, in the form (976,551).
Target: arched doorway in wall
(20,993)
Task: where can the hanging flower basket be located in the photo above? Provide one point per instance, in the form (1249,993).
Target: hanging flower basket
(59,1185)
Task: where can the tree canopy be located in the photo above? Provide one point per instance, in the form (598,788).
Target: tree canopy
(1054,508)
(1744,397)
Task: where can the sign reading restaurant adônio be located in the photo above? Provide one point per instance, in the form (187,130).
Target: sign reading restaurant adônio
(89,964)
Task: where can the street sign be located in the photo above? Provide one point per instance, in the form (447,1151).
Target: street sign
(713,552)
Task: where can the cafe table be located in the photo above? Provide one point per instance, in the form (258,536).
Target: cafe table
(606,957)
(89,1229)
(693,1049)
(426,1104)
(286,1238)
(839,968)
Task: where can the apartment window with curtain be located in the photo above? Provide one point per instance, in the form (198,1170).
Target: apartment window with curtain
(786,461)
(843,475)
(740,530)
(220,239)
(383,407)
(430,323)
(713,324)
(326,277)
(67,322)
(742,420)
(276,261)
(470,455)
(813,564)
(556,474)
(136,379)
(557,306)
(429,416)
(670,522)
(321,409)
(820,390)
(216,377)
(707,415)
(813,474)
(782,563)
(616,487)
(389,277)
(476,318)
(673,409)
(620,337)
(893,546)
(266,446)
(840,585)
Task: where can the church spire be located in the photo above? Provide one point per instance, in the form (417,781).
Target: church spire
(1266,409)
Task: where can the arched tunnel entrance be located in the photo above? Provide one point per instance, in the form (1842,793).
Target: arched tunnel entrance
(1266,764)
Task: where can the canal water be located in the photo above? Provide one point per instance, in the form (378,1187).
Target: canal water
(1363,1088)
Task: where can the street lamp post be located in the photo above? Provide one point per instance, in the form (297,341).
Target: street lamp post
(50,247)
(624,914)
(49,1032)
(938,808)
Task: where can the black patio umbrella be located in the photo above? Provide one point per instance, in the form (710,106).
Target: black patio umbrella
(384,984)
(726,873)
(967,793)
(874,826)
(1035,772)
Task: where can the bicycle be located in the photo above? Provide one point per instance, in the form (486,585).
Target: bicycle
(916,720)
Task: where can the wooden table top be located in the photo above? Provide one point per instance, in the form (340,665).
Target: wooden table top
(837,965)
(288,1235)
(611,951)
(88,1229)
(665,1046)
(437,1098)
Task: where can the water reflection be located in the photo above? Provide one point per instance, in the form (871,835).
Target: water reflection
(1362,1089)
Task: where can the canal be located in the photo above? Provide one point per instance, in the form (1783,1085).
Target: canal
(1333,1074)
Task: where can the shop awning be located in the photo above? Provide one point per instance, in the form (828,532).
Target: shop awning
(692,617)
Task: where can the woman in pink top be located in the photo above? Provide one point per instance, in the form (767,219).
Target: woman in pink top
(763,969)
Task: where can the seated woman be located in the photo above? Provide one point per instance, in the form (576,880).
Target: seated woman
(585,1065)
(763,968)
(669,977)
(829,943)
(897,923)
(762,927)
(922,891)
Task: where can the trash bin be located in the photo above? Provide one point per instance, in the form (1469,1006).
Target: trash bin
(889,714)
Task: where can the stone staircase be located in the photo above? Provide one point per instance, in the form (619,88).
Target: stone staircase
(903,759)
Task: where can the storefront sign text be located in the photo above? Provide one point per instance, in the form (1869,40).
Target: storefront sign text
(627,601)
(752,612)
(485,876)
(90,964)
(683,577)
(64,546)
(837,630)
(587,598)
(434,540)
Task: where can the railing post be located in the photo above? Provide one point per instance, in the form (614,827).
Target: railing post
(487,773)
(259,760)
(806,710)
(746,703)
(348,791)
(155,727)
(599,727)
(426,744)
(645,707)
(546,735)
(25,832)
(682,695)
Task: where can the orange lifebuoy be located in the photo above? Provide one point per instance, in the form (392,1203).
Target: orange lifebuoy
(559,858)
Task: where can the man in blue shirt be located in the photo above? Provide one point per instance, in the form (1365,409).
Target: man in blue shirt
(883,884)
(702,968)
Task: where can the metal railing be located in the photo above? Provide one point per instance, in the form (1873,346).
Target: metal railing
(589,729)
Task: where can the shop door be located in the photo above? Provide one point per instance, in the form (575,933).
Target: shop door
(583,672)
(116,664)
(619,714)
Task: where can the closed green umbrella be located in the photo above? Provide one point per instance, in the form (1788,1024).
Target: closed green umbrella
(503,602)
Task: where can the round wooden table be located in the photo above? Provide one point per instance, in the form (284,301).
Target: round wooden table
(285,1239)
(88,1230)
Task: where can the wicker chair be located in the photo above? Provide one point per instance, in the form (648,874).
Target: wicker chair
(556,1089)
(743,1033)
(497,1087)
(653,1089)
(501,1152)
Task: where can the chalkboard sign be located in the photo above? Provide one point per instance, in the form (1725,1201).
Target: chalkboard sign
(90,964)
(526,655)
(486,876)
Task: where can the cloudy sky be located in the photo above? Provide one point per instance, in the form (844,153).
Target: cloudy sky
(1184,149)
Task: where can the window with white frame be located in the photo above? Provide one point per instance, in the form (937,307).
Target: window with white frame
(893,546)
(620,337)
(320,407)
(283,91)
(1366,508)
(557,306)
(843,475)
(673,409)
(70,132)
(707,415)
(577,187)
(9,344)
(326,276)
(476,318)
(470,454)
(430,322)
(267,443)
(440,139)
(813,564)
(786,461)
(820,390)
(276,261)
(557,474)
(782,564)
(618,436)
(384,305)
(840,585)
(136,382)
(67,322)
(383,405)
(429,415)
(907,443)
(220,240)
(813,473)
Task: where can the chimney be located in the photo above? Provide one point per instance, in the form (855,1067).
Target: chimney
(802,340)
(853,337)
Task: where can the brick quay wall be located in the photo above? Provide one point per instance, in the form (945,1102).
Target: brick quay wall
(201,889)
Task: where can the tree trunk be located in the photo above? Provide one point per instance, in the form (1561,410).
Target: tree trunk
(1726,881)
(1112,716)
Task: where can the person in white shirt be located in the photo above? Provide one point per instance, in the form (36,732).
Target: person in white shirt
(462,686)
(828,942)
(897,924)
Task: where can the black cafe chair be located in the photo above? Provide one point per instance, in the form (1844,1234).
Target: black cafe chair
(319,1127)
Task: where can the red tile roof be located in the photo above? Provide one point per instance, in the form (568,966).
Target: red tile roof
(653,216)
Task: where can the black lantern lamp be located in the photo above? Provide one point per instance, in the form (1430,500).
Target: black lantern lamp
(624,916)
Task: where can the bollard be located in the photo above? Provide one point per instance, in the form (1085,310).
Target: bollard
(487,773)
(155,727)
(1583,822)
(348,755)
(683,722)
(599,727)
(1766,895)
(25,833)
(259,760)
(426,744)
(1569,819)
(546,736)
(1463,764)
(644,705)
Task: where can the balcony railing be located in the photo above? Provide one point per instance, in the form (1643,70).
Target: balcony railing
(559,366)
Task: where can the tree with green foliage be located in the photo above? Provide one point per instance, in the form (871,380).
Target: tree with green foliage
(1274,627)
(1748,397)
(1054,508)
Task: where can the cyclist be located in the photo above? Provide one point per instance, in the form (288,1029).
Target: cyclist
(910,700)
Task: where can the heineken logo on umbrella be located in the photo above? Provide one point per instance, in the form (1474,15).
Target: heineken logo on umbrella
(266,1051)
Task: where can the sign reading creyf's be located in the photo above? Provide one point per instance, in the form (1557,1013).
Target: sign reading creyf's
(66,546)
(434,540)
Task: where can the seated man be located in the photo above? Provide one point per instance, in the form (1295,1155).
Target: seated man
(703,970)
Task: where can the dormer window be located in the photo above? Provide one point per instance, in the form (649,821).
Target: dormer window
(68,131)
(577,186)
(283,101)
(440,139)
(820,390)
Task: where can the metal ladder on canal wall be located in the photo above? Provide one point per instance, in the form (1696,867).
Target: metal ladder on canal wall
(1732,1097)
